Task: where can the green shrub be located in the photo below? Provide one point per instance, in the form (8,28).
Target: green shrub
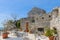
(49,32)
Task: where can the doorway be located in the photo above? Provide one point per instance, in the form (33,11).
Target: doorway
(40,30)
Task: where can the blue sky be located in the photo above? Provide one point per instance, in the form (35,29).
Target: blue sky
(22,7)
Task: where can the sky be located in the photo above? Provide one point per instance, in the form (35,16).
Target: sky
(22,7)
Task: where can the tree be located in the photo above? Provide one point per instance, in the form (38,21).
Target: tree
(18,24)
(12,24)
(9,25)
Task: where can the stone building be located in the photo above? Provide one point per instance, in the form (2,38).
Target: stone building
(55,22)
(38,19)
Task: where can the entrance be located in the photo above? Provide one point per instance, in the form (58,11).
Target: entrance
(40,30)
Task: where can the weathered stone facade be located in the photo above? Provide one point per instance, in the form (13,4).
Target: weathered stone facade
(38,18)
(55,22)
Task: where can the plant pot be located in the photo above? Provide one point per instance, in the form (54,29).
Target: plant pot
(51,38)
(5,35)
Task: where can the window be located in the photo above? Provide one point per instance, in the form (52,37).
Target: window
(49,15)
(33,21)
(42,17)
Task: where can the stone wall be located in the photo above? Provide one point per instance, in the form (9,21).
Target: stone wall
(55,22)
(37,18)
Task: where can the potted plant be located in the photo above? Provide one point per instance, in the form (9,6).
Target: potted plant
(49,33)
(5,35)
